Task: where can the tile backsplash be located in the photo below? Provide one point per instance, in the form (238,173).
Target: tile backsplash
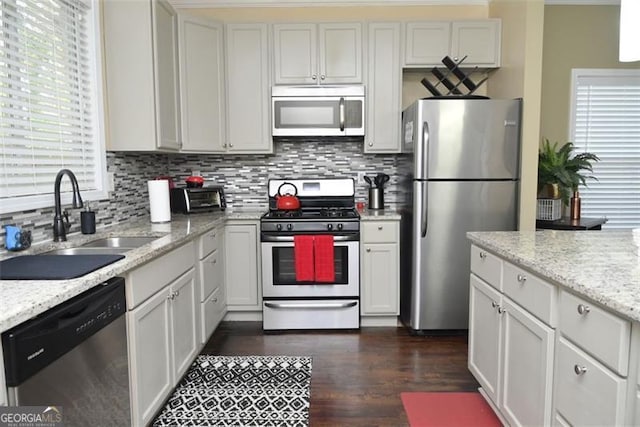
(244,178)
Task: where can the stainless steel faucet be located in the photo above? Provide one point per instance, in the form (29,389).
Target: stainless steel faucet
(60,226)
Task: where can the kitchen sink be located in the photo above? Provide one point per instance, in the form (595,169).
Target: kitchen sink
(88,251)
(119,242)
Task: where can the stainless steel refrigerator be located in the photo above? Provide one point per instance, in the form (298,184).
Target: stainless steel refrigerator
(464,175)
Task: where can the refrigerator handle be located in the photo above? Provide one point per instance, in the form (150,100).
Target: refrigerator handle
(425,202)
(342,114)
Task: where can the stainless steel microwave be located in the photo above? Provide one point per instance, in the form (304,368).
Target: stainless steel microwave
(318,110)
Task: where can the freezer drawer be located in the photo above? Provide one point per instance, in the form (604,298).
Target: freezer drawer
(311,314)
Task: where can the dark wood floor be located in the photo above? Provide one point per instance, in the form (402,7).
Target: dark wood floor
(358,375)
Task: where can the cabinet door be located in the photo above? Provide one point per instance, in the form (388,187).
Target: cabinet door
(184,323)
(248,90)
(210,274)
(380,276)
(202,85)
(485,336)
(479,41)
(165,46)
(426,43)
(527,368)
(340,47)
(384,87)
(295,53)
(150,356)
(241,267)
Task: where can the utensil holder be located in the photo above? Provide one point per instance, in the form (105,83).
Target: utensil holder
(376,198)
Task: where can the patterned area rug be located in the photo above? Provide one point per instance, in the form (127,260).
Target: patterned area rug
(241,391)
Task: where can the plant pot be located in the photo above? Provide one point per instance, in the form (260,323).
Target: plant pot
(549,191)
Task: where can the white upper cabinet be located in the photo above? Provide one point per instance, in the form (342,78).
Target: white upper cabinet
(141,63)
(426,43)
(384,89)
(326,53)
(202,91)
(248,89)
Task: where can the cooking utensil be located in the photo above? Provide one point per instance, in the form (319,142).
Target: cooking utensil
(368,181)
(287,201)
(194,181)
(381,179)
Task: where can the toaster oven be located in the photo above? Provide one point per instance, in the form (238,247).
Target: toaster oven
(198,199)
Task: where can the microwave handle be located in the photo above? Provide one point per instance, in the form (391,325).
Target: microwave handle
(342,118)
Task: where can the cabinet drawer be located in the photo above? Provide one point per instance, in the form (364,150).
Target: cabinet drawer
(594,397)
(155,275)
(532,293)
(209,242)
(486,266)
(600,333)
(213,310)
(210,274)
(380,232)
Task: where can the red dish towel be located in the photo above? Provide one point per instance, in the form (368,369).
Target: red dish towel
(303,256)
(323,246)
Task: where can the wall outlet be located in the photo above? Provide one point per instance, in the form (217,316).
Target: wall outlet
(111,181)
(361,176)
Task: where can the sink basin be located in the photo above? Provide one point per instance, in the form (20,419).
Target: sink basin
(88,251)
(120,242)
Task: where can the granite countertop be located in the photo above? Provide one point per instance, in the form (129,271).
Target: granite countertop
(603,266)
(387,214)
(21,300)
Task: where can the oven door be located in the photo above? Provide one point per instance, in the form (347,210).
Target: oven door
(279,274)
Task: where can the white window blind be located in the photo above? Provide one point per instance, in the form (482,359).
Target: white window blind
(49,100)
(605,120)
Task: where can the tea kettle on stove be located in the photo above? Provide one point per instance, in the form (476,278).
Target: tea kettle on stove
(287,201)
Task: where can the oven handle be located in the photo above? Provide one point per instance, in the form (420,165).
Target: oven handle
(311,304)
(345,238)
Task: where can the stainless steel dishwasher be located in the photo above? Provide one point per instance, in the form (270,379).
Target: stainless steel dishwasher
(74,356)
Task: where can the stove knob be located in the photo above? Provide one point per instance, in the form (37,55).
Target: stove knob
(340,226)
(279,227)
(329,227)
(289,227)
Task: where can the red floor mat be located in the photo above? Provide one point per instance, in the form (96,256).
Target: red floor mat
(448,409)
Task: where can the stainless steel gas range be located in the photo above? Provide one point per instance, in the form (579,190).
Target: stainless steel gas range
(311,256)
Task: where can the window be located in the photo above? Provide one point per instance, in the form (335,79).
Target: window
(51,116)
(605,120)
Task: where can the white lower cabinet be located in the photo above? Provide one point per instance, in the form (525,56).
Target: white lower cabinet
(380,271)
(241,270)
(161,328)
(211,295)
(510,350)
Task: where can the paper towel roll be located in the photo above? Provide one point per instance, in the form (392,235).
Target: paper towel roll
(159,200)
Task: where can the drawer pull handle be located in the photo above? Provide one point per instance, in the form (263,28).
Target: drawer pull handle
(579,370)
(522,278)
(483,255)
(583,309)
(501,310)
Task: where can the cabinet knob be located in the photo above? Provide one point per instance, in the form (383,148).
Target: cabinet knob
(483,255)
(494,304)
(230,145)
(214,261)
(371,144)
(579,370)
(368,249)
(379,227)
(313,77)
(322,77)
(583,309)
(521,278)
(501,310)
(171,295)
(214,300)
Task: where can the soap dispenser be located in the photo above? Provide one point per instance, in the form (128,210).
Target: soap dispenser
(88,220)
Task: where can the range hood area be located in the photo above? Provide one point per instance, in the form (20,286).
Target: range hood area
(302,111)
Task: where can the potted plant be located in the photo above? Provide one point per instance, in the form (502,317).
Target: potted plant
(559,169)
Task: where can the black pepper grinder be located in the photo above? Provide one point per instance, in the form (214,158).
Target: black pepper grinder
(88,221)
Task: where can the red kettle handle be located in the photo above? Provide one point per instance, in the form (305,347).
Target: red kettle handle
(294,188)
